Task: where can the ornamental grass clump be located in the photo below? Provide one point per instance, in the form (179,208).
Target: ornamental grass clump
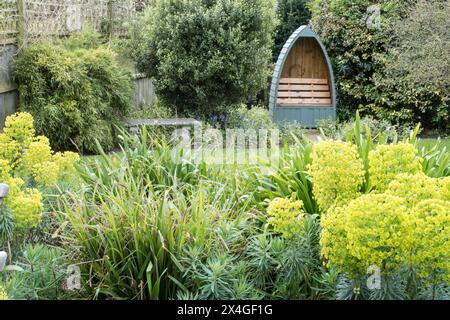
(370,230)
(387,161)
(286,216)
(28,163)
(337,173)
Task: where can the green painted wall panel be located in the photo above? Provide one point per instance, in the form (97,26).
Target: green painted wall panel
(306,117)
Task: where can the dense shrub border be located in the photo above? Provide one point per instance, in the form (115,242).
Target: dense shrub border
(77,96)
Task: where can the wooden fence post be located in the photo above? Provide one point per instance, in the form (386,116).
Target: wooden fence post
(21,24)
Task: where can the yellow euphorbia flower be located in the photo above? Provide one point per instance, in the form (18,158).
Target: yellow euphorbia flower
(286,216)
(387,161)
(337,173)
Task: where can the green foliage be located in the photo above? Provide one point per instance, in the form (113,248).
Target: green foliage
(76,95)
(207,55)
(288,178)
(436,159)
(385,70)
(157,111)
(148,203)
(152,222)
(353,234)
(256,118)
(378,128)
(292,14)
(411,79)
(37,274)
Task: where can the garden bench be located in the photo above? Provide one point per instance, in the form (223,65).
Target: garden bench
(183,123)
(299,91)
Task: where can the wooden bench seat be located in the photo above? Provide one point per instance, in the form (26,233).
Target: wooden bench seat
(297,92)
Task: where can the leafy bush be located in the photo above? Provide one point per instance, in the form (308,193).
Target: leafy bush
(429,222)
(436,159)
(157,111)
(287,178)
(206,55)
(374,62)
(411,80)
(353,234)
(139,229)
(26,162)
(76,96)
(391,228)
(257,117)
(416,187)
(337,173)
(151,222)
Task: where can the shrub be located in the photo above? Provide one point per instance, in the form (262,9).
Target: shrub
(76,96)
(387,161)
(286,217)
(205,55)
(436,159)
(370,230)
(429,222)
(257,117)
(415,187)
(374,63)
(138,210)
(411,79)
(352,45)
(156,111)
(27,160)
(337,173)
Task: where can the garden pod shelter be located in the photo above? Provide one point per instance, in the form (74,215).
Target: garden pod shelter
(303,88)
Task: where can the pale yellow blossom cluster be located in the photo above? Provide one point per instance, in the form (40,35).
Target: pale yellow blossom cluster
(286,216)
(403,222)
(26,160)
(337,173)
